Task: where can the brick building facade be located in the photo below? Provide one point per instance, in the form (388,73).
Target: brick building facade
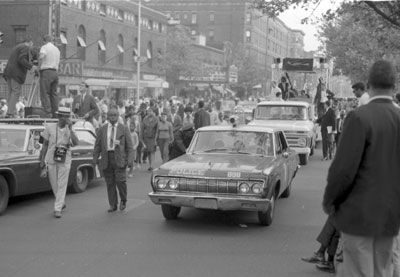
(97,40)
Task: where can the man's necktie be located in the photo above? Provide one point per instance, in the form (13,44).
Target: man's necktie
(112,137)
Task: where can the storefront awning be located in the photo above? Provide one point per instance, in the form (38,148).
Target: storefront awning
(111,83)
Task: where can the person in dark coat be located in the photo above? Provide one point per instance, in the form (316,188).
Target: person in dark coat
(201,117)
(84,104)
(18,64)
(328,128)
(284,86)
(113,152)
(363,190)
(182,141)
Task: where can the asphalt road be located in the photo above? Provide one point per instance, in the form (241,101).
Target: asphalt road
(87,241)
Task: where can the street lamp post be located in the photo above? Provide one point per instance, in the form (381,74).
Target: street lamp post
(138,49)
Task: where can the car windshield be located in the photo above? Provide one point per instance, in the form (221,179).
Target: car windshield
(12,140)
(279,112)
(238,142)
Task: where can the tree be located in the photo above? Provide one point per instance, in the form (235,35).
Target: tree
(388,11)
(180,60)
(249,74)
(355,34)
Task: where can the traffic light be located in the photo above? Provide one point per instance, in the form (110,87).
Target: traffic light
(1,37)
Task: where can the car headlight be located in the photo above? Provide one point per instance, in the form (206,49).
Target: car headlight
(302,142)
(161,183)
(173,184)
(257,188)
(244,188)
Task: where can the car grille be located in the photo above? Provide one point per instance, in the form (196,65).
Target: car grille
(293,139)
(207,185)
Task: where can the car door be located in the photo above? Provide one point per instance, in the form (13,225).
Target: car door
(28,169)
(291,159)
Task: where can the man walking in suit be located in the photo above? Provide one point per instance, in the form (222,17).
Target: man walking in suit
(114,145)
(328,128)
(18,64)
(175,119)
(201,117)
(84,105)
(363,192)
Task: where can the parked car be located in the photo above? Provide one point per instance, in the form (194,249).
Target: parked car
(296,119)
(20,145)
(228,168)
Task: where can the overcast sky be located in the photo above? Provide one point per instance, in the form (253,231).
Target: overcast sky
(292,18)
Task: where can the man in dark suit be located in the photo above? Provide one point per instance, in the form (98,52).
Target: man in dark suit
(363,190)
(114,145)
(201,117)
(19,62)
(175,119)
(84,104)
(328,128)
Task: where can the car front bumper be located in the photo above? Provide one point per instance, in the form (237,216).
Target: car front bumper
(212,202)
(302,150)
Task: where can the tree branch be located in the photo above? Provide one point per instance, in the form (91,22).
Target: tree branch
(373,6)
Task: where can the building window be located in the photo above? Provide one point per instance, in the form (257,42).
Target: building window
(211,35)
(160,29)
(177,16)
(81,43)
(121,50)
(194,18)
(149,53)
(248,18)
(185,16)
(248,36)
(193,32)
(151,24)
(63,46)
(135,49)
(102,48)
(212,17)
(120,15)
(103,10)
(20,34)
(136,19)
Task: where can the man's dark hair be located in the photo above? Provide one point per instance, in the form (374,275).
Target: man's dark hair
(328,103)
(47,38)
(27,39)
(382,75)
(201,104)
(359,86)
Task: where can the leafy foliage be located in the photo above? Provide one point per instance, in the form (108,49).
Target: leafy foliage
(181,60)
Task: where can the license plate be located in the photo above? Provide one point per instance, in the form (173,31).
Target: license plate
(202,203)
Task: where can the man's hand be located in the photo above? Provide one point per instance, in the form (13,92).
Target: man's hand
(86,116)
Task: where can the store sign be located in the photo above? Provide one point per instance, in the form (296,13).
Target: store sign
(291,64)
(70,68)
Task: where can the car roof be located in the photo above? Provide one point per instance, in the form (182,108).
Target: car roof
(244,128)
(283,103)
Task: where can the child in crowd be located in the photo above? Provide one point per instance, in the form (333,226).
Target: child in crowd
(135,140)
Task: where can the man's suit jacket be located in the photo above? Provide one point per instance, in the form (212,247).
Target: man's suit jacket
(328,119)
(363,189)
(177,124)
(201,119)
(87,105)
(18,63)
(123,151)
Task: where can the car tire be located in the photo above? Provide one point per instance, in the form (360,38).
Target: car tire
(266,218)
(312,151)
(287,191)
(4,195)
(170,212)
(303,159)
(81,180)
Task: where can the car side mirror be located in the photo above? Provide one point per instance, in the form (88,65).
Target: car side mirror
(285,155)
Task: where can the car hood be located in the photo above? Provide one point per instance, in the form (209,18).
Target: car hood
(11,157)
(216,165)
(286,125)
